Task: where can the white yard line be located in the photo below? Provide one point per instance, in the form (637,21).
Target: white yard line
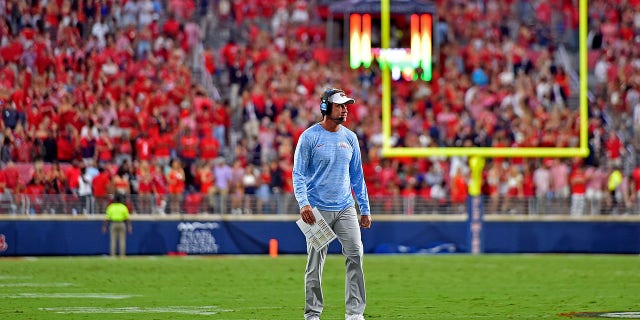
(204,310)
(36,284)
(14,277)
(68,296)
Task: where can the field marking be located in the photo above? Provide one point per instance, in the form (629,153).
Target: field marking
(68,296)
(36,284)
(609,315)
(192,310)
(626,315)
(14,277)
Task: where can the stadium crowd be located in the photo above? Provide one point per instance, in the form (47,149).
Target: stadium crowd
(107,96)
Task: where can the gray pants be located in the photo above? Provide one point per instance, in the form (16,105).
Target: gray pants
(345,225)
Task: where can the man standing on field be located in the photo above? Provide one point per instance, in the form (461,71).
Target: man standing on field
(327,167)
(117,219)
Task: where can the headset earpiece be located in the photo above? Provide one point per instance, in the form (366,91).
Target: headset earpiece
(323,107)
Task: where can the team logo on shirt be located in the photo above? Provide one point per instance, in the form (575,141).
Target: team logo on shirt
(343,145)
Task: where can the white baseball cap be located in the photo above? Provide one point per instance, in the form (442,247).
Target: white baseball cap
(341,98)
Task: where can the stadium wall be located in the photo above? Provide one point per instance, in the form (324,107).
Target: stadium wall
(63,236)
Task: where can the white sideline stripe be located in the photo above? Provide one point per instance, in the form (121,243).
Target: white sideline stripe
(36,285)
(69,295)
(14,277)
(204,310)
(627,315)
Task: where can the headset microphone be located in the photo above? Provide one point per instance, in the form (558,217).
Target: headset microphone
(338,120)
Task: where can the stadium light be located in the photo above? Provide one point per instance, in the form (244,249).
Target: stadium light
(402,62)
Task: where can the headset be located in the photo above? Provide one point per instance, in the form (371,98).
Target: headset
(325,105)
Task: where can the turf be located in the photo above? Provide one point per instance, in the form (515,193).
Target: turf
(260,287)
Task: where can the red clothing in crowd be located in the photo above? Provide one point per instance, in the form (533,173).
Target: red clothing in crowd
(528,186)
(11,177)
(73,175)
(189,146)
(458,189)
(145,185)
(104,148)
(35,190)
(66,148)
(176,182)
(614,147)
(127,118)
(635,175)
(209,147)
(100,184)
(159,183)
(143,148)
(163,145)
(206,180)
(578,181)
(3,181)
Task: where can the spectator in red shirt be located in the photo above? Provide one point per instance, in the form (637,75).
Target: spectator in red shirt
(635,187)
(5,194)
(614,149)
(159,187)
(188,147)
(23,148)
(35,191)
(3,182)
(143,147)
(219,123)
(104,148)
(206,180)
(145,187)
(73,173)
(11,176)
(163,145)
(458,190)
(127,118)
(171,27)
(578,184)
(176,185)
(101,185)
(209,148)
(34,116)
(123,150)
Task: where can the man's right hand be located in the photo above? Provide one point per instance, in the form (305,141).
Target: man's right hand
(307,215)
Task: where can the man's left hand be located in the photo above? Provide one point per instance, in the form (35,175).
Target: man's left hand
(365,222)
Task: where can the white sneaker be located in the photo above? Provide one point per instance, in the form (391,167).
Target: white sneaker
(313,318)
(354,317)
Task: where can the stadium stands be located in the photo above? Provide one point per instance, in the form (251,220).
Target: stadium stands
(226,87)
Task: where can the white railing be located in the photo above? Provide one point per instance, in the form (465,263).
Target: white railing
(23,204)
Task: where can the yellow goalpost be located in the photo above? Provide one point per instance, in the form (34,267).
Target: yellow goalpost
(477,155)
(531,152)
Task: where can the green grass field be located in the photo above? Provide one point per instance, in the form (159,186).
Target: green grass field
(260,287)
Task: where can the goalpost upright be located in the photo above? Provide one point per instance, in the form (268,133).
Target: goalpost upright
(477,155)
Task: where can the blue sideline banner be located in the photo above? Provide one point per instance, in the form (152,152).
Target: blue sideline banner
(73,237)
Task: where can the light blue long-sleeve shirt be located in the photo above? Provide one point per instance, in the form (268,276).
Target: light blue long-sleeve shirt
(326,167)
